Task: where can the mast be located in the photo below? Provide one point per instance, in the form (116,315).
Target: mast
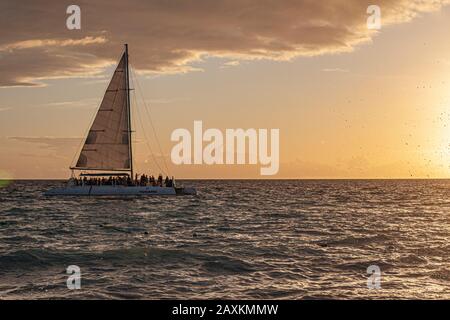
(127,82)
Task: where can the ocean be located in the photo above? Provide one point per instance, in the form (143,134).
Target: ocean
(237,239)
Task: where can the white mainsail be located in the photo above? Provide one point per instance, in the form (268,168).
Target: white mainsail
(107,145)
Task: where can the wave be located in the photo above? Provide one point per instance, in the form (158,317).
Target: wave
(46,258)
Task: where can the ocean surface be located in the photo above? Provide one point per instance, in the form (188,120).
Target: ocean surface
(310,239)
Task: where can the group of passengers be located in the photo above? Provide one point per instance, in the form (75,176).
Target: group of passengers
(143,180)
(146,180)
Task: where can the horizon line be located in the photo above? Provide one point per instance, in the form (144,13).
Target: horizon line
(249,179)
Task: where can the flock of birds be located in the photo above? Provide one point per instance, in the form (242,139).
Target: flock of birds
(433,154)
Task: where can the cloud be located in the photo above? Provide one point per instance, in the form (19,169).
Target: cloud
(51,143)
(4,109)
(82,103)
(233,63)
(167,36)
(28,44)
(165,100)
(335,70)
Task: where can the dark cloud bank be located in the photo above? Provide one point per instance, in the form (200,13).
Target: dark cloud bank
(165,36)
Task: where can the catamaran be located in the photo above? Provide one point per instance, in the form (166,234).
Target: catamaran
(106,157)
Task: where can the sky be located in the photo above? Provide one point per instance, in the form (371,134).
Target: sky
(349,102)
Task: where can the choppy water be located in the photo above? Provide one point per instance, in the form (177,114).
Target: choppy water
(236,239)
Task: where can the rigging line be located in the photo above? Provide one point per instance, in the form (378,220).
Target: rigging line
(150,119)
(146,139)
(145,134)
(135,81)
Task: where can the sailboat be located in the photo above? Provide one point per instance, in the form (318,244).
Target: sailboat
(106,158)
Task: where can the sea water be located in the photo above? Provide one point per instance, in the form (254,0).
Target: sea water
(257,239)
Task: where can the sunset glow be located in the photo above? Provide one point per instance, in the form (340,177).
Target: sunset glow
(355,104)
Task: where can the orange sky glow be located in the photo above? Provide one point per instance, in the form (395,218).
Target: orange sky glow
(349,102)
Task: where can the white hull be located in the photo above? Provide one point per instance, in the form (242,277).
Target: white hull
(119,191)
